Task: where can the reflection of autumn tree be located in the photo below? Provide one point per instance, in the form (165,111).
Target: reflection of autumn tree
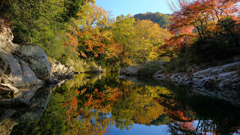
(180,114)
(98,105)
(66,114)
(137,104)
(95,108)
(183,127)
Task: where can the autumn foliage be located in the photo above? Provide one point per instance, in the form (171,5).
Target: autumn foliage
(203,16)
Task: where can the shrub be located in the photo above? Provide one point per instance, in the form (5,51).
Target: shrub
(79,65)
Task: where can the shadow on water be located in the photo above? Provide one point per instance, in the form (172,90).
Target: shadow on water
(108,104)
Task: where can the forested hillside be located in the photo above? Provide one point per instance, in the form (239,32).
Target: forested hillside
(163,20)
(81,34)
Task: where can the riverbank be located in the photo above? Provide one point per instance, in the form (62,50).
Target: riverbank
(28,68)
(225,76)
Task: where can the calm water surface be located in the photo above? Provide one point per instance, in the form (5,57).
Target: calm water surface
(106,104)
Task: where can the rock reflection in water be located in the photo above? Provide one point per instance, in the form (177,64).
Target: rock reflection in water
(36,100)
(193,113)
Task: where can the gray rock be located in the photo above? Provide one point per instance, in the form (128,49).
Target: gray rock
(217,70)
(29,77)
(189,82)
(97,69)
(153,62)
(60,72)
(133,70)
(17,72)
(220,76)
(223,76)
(156,75)
(160,76)
(37,60)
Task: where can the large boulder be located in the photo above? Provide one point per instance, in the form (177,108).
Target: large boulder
(97,69)
(37,60)
(17,71)
(133,70)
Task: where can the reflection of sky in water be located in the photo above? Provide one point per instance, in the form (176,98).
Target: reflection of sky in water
(139,129)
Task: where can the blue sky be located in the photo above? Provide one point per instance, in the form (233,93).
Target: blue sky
(133,7)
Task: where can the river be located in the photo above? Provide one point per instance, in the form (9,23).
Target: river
(107,104)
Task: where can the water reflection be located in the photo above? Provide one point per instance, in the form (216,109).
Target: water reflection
(108,104)
(12,116)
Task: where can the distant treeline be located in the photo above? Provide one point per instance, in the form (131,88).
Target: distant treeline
(162,19)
